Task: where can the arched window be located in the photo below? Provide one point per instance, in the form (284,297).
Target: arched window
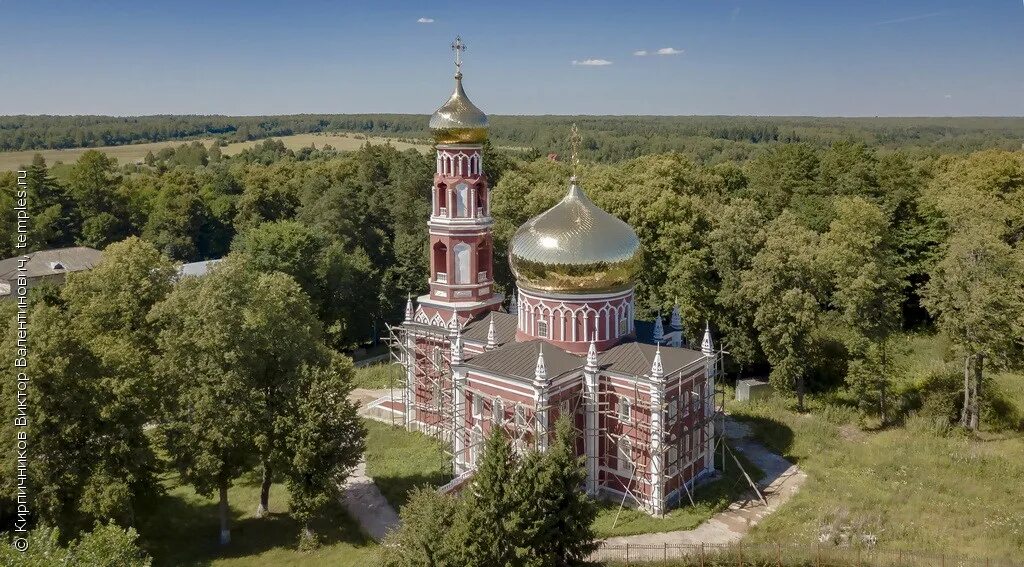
(441,262)
(481,199)
(625,409)
(462,200)
(624,456)
(442,199)
(673,460)
(483,259)
(520,415)
(462,269)
(498,412)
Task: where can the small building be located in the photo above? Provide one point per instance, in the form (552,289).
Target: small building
(198,269)
(46,266)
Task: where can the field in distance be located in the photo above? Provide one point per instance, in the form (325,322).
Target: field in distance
(12,161)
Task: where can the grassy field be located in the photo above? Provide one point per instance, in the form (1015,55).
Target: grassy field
(911,487)
(184,533)
(709,498)
(378,376)
(399,460)
(10,161)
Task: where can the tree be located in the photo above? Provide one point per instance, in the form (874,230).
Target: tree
(867,284)
(94,183)
(54,212)
(485,524)
(424,536)
(323,440)
(107,545)
(976,297)
(554,517)
(178,217)
(784,288)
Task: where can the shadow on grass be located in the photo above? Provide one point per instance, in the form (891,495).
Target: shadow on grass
(396,488)
(771,432)
(185,533)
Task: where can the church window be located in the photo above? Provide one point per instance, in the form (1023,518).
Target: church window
(498,412)
(563,407)
(673,408)
(625,409)
(542,329)
(437,357)
(478,406)
(476,442)
(462,200)
(623,327)
(520,414)
(624,455)
(673,459)
(462,252)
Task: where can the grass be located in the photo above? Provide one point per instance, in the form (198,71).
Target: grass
(911,487)
(709,498)
(185,528)
(398,460)
(10,161)
(378,376)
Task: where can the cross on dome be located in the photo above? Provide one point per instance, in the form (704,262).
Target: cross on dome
(458,47)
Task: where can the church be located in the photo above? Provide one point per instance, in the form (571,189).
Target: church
(565,344)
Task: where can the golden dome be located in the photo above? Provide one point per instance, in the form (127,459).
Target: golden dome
(575,247)
(459,121)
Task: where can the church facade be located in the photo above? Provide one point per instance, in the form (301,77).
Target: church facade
(565,344)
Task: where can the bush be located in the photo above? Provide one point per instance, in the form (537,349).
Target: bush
(936,401)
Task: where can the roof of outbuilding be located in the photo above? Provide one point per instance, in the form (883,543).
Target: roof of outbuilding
(635,359)
(519,360)
(505,325)
(42,262)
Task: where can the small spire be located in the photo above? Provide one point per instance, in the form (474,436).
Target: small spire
(574,147)
(409,310)
(676,322)
(513,305)
(492,336)
(540,374)
(659,329)
(457,349)
(592,356)
(706,345)
(657,370)
(453,325)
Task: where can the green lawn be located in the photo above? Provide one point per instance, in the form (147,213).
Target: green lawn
(185,531)
(378,376)
(399,460)
(911,487)
(710,498)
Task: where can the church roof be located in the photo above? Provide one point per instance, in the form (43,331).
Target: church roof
(505,325)
(519,360)
(635,359)
(50,262)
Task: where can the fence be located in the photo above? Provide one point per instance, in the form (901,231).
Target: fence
(777,555)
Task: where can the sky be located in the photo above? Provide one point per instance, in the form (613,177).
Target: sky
(682,57)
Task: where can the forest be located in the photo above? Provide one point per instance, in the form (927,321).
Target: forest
(812,246)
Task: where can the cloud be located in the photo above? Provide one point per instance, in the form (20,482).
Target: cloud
(592,62)
(425,21)
(908,19)
(947,96)
(669,51)
(640,53)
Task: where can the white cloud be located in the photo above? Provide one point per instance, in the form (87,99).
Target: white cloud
(640,53)
(592,62)
(669,51)
(425,21)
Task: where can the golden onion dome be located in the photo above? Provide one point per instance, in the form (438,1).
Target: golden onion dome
(459,121)
(575,247)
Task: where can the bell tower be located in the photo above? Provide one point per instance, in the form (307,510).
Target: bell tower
(461,244)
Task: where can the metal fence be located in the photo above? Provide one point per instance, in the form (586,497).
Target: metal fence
(781,555)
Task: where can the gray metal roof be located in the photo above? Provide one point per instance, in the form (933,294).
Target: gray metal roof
(635,359)
(505,325)
(51,262)
(519,360)
(198,269)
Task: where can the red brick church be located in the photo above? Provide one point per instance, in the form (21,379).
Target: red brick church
(566,343)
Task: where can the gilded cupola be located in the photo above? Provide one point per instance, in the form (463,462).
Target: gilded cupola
(575,247)
(459,121)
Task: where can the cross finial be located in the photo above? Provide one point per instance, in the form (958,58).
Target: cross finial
(458,47)
(574,146)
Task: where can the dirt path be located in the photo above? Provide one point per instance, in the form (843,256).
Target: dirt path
(781,480)
(367,505)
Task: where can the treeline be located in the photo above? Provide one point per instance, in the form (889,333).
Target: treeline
(609,138)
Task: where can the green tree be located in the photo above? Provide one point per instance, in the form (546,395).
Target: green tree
(784,286)
(55,216)
(94,184)
(178,217)
(554,517)
(323,439)
(489,539)
(977,300)
(424,537)
(107,545)
(866,280)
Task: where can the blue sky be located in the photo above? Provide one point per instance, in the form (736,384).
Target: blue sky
(778,57)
